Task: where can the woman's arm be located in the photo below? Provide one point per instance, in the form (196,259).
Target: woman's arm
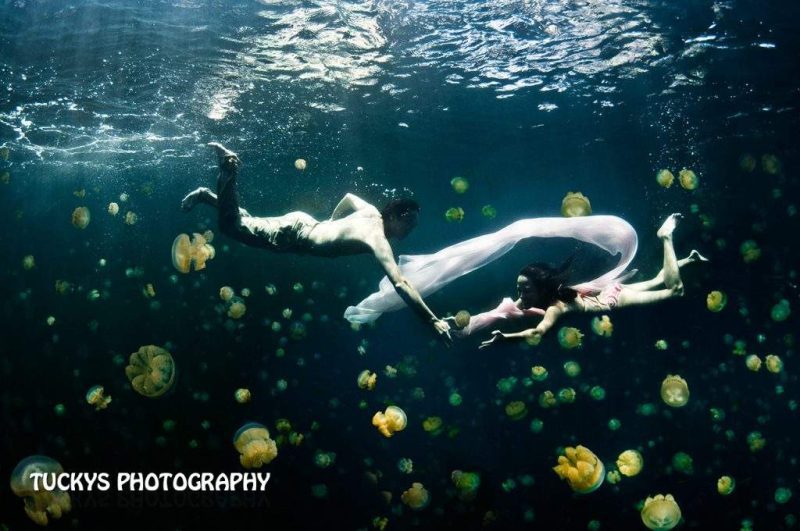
(551,315)
(507,309)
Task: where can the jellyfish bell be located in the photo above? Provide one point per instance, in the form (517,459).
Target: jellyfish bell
(454,214)
(674,391)
(575,204)
(581,469)
(602,326)
(466,483)
(516,410)
(459,184)
(661,512)
(181,253)
(461,319)
(254,445)
(226,293)
(665,178)
(688,179)
(416,497)
(300,164)
(96,397)
(392,420)
(432,425)
(716,301)
(630,463)
(570,337)
(40,504)
(367,380)
(81,217)
(113,208)
(236,309)
(151,371)
(191,252)
(242,395)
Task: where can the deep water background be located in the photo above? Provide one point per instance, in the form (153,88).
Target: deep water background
(526,100)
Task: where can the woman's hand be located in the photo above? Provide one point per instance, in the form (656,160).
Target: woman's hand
(497,337)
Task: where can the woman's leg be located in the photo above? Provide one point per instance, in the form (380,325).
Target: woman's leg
(669,274)
(657,280)
(672,276)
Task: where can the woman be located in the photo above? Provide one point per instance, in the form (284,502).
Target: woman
(542,286)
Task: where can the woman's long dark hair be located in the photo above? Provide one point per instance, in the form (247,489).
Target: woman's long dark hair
(551,282)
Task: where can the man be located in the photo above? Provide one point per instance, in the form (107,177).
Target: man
(355,227)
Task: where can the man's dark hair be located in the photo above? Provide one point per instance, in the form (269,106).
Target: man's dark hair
(551,282)
(399,208)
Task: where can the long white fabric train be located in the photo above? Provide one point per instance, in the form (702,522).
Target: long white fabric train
(431,272)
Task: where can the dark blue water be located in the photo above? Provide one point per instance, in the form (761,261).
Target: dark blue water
(526,100)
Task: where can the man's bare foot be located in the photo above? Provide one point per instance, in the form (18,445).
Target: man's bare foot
(227,158)
(669,225)
(189,202)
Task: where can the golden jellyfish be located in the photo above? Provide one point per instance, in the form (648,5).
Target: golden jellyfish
(630,463)
(665,178)
(516,410)
(417,497)
(209,236)
(151,371)
(300,164)
(28,262)
(674,391)
(726,485)
(575,204)
(770,164)
(462,319)
(747,162)
(459,184)
(81,217)
(661,512)
(602,326)
(581,469)
(149,291)
(131,218)
(688,179)
(254,445)
(96,397)
(432,425)
(774,363)
(569,337)
(191,252)
(454,214)
(41,504)
(390,421)
(367,380)
(716,301)
(226,293)
(242,395)
(113,208)
(237,309)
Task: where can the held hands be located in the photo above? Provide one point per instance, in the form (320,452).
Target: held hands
(443,329)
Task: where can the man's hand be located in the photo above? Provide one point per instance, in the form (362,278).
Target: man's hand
(443,329)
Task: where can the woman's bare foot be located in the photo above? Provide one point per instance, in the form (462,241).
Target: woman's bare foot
(669,226)
(695,256)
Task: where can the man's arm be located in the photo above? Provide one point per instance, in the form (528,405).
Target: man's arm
(349,203)
(407,292)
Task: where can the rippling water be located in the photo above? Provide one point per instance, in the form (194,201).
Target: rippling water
(527,100)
